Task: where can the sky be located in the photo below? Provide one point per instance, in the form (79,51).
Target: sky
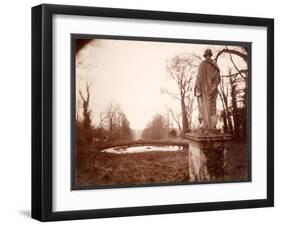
(131,74)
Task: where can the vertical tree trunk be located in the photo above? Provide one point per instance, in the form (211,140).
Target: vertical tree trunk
(224,113)
(87,122)
(228,116)
(184,117)
(234,109)
(190,113)
(226,129)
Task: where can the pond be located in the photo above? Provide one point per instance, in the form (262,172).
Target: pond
(143,148)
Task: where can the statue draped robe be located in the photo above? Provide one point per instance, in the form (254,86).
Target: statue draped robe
(206,91)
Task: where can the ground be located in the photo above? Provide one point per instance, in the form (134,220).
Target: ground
(102,168)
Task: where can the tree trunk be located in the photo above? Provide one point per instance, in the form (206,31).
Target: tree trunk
(184,117)
(224,113)
(234,109)
(228,116)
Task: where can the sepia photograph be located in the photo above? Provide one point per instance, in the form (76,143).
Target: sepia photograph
(158,111)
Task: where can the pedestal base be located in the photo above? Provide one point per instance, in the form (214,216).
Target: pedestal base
(207,151)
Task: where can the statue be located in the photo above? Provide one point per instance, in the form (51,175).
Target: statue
(208,146)
(206,91)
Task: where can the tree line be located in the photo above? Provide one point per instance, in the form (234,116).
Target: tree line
(112,124)
(158,128)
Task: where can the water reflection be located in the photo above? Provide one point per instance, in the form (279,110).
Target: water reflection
(143,148)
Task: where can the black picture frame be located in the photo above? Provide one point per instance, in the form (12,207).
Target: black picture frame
(42,85)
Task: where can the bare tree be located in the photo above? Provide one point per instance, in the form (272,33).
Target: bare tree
(182,69)
(117,123)
(112,116)
(233,91)
(176,119)
(86,122)
(224,96)
(102,120)
(100,126)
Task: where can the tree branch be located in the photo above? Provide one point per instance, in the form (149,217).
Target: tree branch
(235,65)
(173,95)
(175,119)
(235,74)
(232,51)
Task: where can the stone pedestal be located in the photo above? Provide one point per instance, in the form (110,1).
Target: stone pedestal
(207,151)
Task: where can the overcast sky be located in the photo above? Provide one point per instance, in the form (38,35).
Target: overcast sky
(131,74)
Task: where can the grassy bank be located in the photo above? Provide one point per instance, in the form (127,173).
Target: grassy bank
(101,168)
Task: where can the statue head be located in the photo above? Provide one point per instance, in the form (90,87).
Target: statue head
(208,52)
